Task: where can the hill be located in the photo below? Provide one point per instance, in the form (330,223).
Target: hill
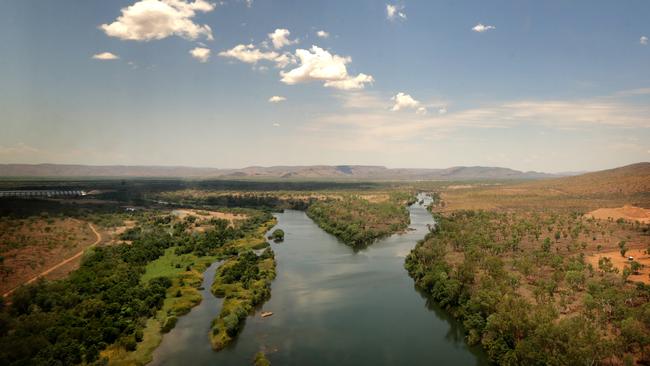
(628,185)
(353,172)
(628,179)
(548,272)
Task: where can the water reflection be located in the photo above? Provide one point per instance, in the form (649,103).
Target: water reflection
(333,305)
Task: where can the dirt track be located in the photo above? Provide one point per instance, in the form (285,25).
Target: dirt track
(60,264)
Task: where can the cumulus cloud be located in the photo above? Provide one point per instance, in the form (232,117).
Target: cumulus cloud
(317,64)
(481,28)
(442,110)
(322,34)
(643,40)
(250,54)
(277,99)
(395,12)
(148,20)
(405,101)
(280,38)
(105,56)
(200,53)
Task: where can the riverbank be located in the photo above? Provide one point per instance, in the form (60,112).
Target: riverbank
(244,282)
(521,283)
(186,274)
(332,304)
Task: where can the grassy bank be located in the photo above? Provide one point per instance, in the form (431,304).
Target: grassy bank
(185,272)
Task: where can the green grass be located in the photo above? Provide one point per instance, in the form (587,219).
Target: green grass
(186,282)
(172,265)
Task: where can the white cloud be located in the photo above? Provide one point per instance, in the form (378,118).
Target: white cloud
(317,64)
(442,110)
(277,99)
(480,28)
(394,12)
(322,34)
(364,119)
(276,124)
(105,56)
(405,101)
(280,38)
(200,53)
(351,83)
(643,40)
(251,55)
(148,20)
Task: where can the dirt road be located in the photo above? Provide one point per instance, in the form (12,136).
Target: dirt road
(60,264)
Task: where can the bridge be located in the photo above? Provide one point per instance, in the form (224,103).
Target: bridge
(42,193)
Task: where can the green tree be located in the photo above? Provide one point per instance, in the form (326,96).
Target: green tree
(623,247)
(277,235)
(546,245)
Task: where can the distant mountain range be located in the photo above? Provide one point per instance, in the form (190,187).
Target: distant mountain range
(353,172)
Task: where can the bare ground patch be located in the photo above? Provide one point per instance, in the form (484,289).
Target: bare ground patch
(208,215)
(621,262)
(42,247)
(626,212)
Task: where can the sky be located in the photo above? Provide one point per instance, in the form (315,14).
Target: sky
(549,86)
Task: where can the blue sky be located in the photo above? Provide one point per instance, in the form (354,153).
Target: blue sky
(550,86)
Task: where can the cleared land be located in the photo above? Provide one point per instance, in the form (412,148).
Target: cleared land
(207,215)
(626,212)
(621,262)
(38,246)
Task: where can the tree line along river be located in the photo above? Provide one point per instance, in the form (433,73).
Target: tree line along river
(331,305)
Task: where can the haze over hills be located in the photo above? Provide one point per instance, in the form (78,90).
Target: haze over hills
(281,172)
(611,188)
(629,179)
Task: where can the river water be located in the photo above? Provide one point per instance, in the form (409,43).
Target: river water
(332,306)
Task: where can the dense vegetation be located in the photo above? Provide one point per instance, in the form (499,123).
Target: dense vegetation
(111,298)
(357,221)
(70,321)
(524,289)
(244,282)
(277,235)
(257,200)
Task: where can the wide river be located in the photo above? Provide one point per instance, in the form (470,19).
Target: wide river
(331,306)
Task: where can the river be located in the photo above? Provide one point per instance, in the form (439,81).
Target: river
(332,306)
